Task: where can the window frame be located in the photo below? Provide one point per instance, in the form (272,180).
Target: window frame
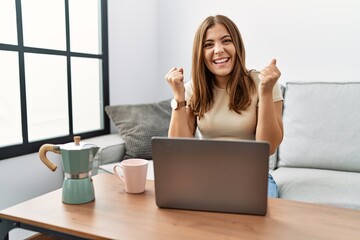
(30,147)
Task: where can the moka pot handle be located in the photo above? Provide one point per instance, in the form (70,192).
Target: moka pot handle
(42,154)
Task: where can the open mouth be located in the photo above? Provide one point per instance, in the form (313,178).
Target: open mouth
(222,60)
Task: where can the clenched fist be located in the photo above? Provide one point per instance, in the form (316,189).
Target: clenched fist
(175,78)
(269,76)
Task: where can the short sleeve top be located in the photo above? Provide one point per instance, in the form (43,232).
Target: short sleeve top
(222,123)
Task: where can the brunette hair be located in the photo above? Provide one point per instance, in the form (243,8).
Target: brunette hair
(240,86)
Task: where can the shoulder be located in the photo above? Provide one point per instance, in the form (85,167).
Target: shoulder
(188,86)
(277,95)
(188,90)
(254,75)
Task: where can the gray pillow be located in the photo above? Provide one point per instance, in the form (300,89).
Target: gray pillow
(137,124)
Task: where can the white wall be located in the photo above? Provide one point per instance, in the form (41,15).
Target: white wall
(312,40)
(26,177)
(133,51)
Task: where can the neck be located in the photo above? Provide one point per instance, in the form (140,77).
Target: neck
(221,82)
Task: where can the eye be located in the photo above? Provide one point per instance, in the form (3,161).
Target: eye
(227,41)
(208,45)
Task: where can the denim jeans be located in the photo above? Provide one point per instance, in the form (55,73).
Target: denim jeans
(272,188)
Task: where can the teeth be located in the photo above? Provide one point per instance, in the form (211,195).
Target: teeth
(221,60)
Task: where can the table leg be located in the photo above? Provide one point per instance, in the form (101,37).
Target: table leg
(5,227)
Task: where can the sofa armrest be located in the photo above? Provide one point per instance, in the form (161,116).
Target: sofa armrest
(112,149)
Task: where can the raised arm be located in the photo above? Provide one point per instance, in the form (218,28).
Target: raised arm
(182,122)
(269,124)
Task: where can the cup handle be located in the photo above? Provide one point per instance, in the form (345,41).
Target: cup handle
(117,173)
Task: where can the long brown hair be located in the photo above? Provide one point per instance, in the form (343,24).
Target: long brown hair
(240,86)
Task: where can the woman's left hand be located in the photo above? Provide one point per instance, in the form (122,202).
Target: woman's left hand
(269,76)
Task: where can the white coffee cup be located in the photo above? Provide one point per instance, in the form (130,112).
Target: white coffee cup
(134,174)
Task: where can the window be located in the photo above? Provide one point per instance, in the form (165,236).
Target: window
(53,72)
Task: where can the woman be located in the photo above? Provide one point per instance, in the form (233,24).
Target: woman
(225,100)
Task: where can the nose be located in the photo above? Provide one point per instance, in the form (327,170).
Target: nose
(218,49)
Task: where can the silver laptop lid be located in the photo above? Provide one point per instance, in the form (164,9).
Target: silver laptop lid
(211,175)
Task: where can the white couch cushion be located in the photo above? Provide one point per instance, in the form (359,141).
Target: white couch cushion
(328,187)
(321,126)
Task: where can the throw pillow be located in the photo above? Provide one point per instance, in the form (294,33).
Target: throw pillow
(138,123)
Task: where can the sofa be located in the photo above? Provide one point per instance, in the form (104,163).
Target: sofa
(318,160)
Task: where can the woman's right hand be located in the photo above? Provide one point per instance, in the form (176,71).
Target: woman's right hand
(175,78)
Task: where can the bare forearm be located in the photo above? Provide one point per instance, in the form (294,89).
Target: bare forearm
(269,126)
(180,125)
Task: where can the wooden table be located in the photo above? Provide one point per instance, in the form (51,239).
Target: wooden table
(117,215)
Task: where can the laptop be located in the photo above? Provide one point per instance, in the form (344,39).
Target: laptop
(229,176)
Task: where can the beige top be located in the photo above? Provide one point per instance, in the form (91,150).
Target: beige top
(221,123)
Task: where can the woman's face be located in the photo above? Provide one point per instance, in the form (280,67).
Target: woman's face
(219,53)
